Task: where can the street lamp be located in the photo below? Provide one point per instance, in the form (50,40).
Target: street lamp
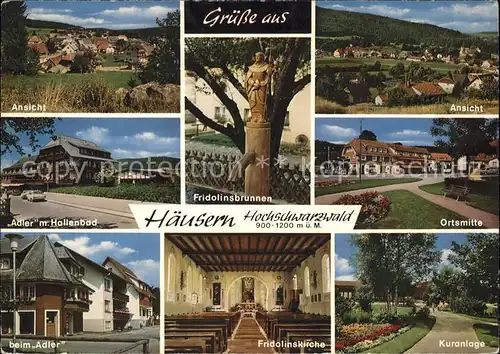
(14,243)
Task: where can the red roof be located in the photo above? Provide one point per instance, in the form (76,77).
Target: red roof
(429,88)
(441,156)
(39,47)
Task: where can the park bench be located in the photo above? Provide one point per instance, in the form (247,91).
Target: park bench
(455,190)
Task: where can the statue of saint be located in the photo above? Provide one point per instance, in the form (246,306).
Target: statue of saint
(257,81)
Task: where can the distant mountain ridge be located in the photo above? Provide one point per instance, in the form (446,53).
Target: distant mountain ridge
(139,32)
(337,23)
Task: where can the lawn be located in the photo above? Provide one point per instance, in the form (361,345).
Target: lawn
(115,79)
(487,333)
(483,202)
(409,211)
(405,341)
(491,319)
(369,183)
(156,193)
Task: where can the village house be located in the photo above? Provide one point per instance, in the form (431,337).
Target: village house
(440,163)
(53,293)
(140,296)
(65,293)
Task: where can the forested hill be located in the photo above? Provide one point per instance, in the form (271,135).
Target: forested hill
(49,24)
(384,30)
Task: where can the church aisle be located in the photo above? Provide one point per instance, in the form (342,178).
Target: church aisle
(246,339)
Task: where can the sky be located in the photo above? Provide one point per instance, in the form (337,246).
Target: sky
(103,14)
(123,137)
(463,16)
(344,253)
(137,251)
(409,131)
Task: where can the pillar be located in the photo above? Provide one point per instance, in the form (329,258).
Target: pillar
(257,176)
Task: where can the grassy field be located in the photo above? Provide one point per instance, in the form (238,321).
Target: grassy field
(409,211)
(405,341)
(115,79)
(487,333)
(486,203)
(370,183)
(74,93)
(386,63)
(324,106)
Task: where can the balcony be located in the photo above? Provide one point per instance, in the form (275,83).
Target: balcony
(121,313)
(120,297)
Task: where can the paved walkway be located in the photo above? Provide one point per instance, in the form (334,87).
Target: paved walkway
(489,220)
(450,328)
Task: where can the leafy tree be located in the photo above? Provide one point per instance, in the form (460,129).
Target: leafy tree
(368,135)
(51,45)
(218,61)
(85,62)
(389,263)
(164,62)
(489,89)
(478,260)
(121,45)
(332,86)
(16,59)
(397,70)
(12,128)
(464,137)
(107,176)
(397,97)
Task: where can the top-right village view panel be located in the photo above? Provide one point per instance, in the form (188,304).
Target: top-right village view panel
(407,57)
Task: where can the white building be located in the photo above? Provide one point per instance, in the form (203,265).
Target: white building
(297,122)
(99,318)
(139,305)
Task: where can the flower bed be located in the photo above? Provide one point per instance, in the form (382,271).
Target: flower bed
(358,337)
(326,184)
(374,206)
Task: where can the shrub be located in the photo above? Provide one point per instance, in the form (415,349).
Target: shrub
(364,301)
(374,206)
(386,317)
(342,305)
(468,306)
(423,313)
(356,316)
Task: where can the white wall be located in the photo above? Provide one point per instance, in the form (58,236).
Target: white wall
(177,300)
(299,108)
(94,320)
(133,307)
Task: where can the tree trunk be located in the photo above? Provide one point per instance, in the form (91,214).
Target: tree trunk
(396,299)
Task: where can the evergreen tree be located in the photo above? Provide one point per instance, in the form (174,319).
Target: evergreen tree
(164,62)
(14,37)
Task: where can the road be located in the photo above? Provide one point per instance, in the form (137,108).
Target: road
(37,213)
(151,333)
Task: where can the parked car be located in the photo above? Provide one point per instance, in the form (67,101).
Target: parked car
(24,195)
(16,192)
(36,196)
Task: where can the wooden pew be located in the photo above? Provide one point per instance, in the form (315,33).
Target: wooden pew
(219,343)
(209,338)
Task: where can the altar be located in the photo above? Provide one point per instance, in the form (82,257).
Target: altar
(247,309)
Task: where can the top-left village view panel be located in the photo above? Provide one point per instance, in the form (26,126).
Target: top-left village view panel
(90,57)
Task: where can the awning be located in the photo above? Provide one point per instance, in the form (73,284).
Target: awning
(12,184)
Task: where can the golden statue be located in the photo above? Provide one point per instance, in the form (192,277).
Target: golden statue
(257,81)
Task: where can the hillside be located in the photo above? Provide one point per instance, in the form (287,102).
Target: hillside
(380,29)
(143,33)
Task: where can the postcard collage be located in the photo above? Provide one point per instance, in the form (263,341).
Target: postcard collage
(249,176)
